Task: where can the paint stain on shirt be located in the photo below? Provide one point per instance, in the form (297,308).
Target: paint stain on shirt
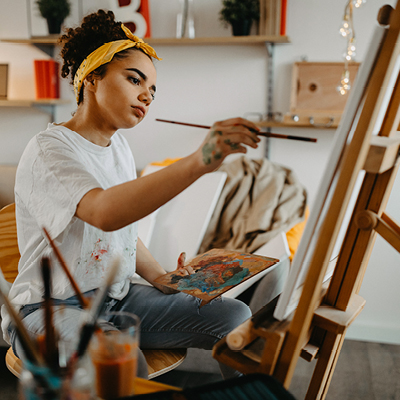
(99,250)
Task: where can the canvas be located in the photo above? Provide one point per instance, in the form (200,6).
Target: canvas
(289,298)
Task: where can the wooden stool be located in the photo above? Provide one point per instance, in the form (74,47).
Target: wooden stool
(158,361)
(161,361)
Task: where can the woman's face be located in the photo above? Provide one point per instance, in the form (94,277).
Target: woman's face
(124,94)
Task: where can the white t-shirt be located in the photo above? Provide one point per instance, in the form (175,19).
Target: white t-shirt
(56,169)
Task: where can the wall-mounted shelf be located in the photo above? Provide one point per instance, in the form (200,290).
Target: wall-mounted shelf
(32,103)
(49,43)
(303,121)
(46,105)
(229,40)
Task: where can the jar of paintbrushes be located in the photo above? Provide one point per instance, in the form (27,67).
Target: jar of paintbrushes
(43,383)
(55,369)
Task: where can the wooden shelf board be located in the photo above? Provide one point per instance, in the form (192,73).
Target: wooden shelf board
(50,40)
(321,121)
(273,124)
(229,40)
(31,103)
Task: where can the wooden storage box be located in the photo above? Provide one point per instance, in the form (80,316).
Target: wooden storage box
(314,97)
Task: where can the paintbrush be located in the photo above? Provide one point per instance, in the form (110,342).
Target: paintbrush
(27,344)
(95,310)
(64,266)
(266,134)
(51,351)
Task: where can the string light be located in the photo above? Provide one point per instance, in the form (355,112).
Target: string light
(344,85)
(350,52)
(358,3)
(347,31)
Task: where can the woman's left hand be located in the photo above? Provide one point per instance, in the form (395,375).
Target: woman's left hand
(181,269)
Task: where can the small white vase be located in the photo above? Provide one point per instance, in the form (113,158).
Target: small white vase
(185,20)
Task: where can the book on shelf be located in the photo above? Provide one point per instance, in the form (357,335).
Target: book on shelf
(273,17)
(47,79)
(215,272)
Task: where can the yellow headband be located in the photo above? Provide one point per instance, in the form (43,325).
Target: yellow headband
(105,53)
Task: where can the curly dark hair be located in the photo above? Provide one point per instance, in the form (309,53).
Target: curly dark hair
(96,29)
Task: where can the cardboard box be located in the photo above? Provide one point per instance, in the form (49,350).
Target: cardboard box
(3,80)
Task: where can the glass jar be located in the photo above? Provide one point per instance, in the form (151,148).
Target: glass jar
(71,383)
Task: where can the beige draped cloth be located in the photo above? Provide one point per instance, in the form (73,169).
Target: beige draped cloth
(259,200)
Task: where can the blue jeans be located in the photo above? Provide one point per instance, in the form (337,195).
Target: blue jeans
(167,321)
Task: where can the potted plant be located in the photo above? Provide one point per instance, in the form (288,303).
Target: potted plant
(55,12)
(240,14)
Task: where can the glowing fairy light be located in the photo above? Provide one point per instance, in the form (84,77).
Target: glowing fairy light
(347,31)
(350,52)
(358,3)
(344,85)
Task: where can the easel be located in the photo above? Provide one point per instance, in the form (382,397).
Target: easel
(316,329)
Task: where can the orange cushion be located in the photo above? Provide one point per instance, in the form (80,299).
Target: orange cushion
(163,163)
(294,235)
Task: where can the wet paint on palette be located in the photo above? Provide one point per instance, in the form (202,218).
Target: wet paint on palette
(216,271)
(214,276)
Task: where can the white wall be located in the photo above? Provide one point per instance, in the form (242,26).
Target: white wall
(206,83)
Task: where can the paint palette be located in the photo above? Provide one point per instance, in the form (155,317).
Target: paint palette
(216,271)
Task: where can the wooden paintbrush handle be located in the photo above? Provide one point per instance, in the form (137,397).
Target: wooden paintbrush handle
(64,266)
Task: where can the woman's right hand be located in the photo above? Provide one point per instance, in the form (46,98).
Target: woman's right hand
(224,138)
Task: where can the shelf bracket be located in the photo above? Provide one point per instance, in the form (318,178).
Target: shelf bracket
(45,48)
(46,108)
(270,90)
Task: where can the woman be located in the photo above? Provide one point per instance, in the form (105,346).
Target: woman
(78,180)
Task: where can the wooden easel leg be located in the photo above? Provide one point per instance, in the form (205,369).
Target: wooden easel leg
(270,354)
(323,372)
(358,244)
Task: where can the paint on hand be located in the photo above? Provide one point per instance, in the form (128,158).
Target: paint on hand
(181,260)
(210,152)
(215,133)
(234,146)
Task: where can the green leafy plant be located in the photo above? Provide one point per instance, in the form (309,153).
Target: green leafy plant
(54,9)
(237,10)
